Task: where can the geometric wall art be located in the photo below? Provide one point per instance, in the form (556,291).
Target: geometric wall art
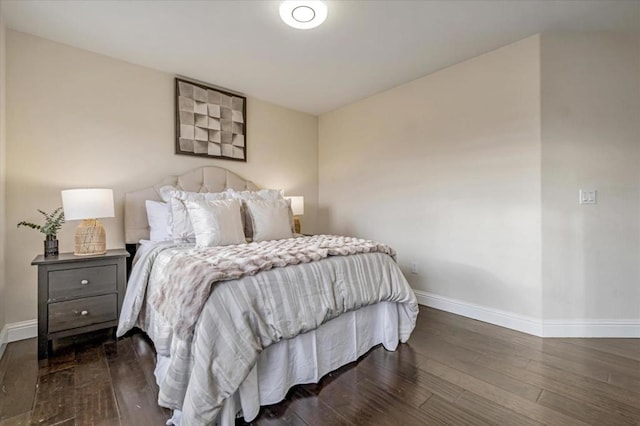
(210,122)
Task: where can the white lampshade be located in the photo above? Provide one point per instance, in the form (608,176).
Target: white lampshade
(89,203)
(297,205)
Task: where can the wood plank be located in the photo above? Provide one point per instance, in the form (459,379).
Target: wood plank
(395,410)
(445,353)
(95,401)
(146,354)
(544,350)
(409,391)
(437,316)
(592,392)
(500,396)
(364,402)
(23,419)
(558,380)
(445,389)
(96,405)
(580,410)
(445,412)
(491,411)
(476,342)
(340,392)
(289,417)
(363,380)
(607,397)
(55,398)
(136,402)
(588,391)
(18,387)
(69,422)
(4,364)
(624,381)
(487,345)
(91,365)
(311,409)
(627,348)
(603,359)
(65,357)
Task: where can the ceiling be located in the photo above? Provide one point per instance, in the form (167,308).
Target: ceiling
(364,47)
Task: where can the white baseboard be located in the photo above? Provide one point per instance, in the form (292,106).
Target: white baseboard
(3,340)
(22,330)
(492,316)
(611,328)
(591,328)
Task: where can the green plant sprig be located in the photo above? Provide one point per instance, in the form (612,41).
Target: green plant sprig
(52,222)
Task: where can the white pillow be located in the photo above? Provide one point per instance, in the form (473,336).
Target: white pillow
(158,217)
(270,219)
(216,222)
(262,194)
(165,192)
(181,228)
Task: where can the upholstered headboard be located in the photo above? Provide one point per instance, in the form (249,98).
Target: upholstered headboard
(203,179)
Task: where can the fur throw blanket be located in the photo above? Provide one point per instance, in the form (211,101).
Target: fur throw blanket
(185,287)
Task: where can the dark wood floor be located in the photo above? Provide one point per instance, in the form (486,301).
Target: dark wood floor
(453,371)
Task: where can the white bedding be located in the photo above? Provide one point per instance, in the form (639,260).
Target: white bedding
(302,359)
(305,359)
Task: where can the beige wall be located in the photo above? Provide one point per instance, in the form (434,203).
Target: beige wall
(591,140)
(472,172)
(3,204)
(446,169)
(78,119)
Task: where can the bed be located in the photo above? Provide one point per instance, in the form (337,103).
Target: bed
(255,335)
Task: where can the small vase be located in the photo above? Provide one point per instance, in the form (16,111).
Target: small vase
(50,246)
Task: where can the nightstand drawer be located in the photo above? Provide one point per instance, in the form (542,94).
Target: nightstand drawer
(80,282)
(81,312)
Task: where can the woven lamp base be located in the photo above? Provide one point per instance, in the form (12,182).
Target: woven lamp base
(90,239)
(296,224)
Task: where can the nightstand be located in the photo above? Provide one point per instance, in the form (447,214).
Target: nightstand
(78,294)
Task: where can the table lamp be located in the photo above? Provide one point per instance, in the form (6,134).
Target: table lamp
(88,205)
(297,208)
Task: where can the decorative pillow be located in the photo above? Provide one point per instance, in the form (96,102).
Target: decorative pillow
(262,194)
(181,227)
(216,222)
(165,192)
(270,219)
(158,217)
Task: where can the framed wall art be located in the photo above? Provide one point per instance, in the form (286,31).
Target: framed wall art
(210,122)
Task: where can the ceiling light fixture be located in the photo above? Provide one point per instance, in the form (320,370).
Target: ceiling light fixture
(303,14)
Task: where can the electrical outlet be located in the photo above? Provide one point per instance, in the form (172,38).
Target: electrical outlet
(414,268)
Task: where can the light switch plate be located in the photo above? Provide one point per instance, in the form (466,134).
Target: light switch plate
(588,196)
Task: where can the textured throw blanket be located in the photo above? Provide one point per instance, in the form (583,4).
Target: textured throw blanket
(183,290)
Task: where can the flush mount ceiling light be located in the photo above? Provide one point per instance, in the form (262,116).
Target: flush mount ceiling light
(303,14)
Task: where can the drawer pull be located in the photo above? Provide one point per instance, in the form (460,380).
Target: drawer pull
(84,282)
(80,313)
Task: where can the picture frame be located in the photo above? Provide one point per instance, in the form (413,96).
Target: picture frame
(210,122)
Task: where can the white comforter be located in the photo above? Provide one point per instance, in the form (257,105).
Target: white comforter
(241,317)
